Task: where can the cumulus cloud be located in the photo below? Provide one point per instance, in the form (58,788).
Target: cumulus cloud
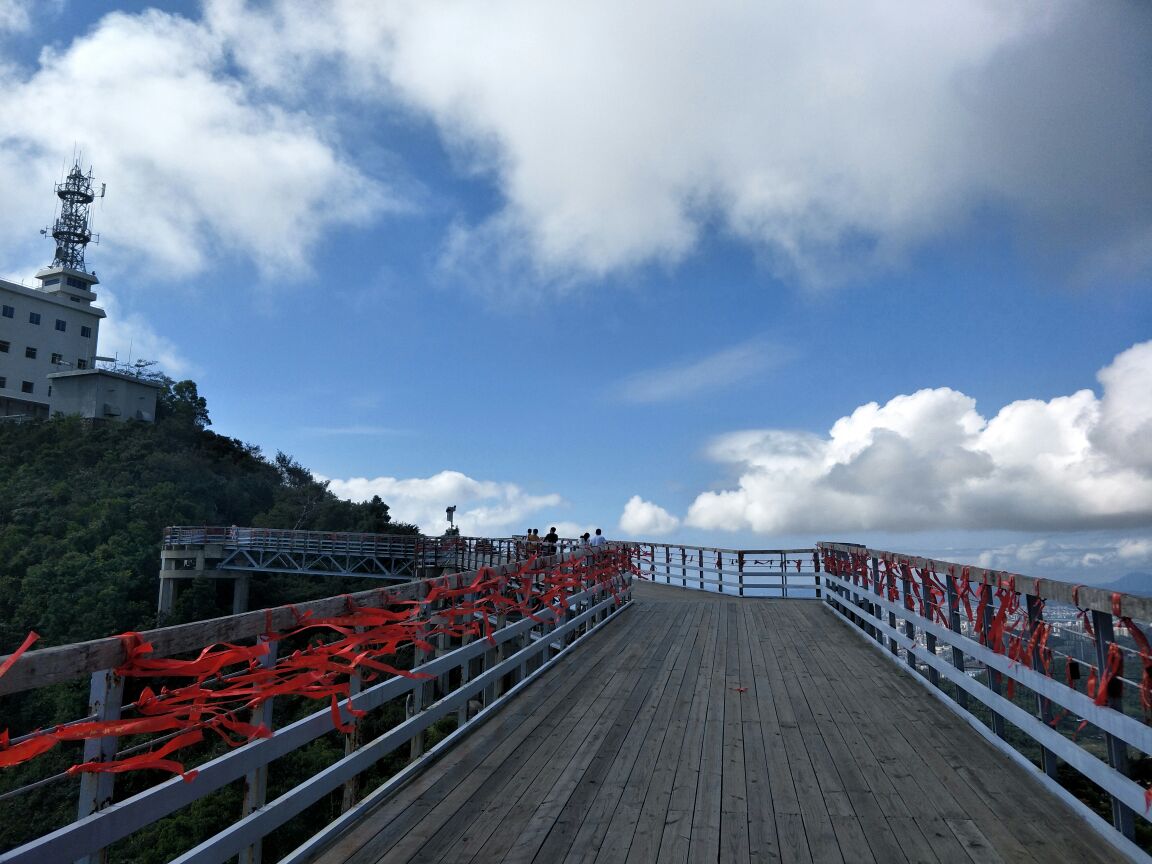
(726,368)
(197,162)
(1065,557)
(825,136)
(485,507)
(829,139)
(644,519)
(929,460)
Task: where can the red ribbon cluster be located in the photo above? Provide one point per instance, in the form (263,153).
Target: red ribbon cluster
(1008,630)
(215,699)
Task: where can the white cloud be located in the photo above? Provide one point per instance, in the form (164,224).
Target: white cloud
(1068,559)
(826,136)
(128,337)
(14,16)
(726,368)
(929,460)
(1135,550)
(644,519)
(830,139)
(196,162)
(485,508)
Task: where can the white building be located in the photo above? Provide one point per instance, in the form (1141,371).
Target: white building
(44,330)
(101,394)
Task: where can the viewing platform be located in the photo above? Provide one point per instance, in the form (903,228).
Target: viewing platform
(707,728)
(641,702)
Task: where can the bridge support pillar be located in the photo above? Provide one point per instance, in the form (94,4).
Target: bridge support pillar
(166,599)
(240,594)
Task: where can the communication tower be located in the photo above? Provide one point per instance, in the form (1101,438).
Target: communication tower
(70,230)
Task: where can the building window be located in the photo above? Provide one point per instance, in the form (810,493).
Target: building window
(3,382)
(77,283)
(86,332)
(30,353)
(9,312)
(26,387)
(55,280)
(81,364)
(33,317)
(4,346)
(57,358)
(61,325)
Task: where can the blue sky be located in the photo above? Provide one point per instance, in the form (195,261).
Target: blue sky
(723,273)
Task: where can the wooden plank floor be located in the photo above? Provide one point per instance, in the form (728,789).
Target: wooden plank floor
(699,728)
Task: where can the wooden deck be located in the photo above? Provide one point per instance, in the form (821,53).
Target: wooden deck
(698,728)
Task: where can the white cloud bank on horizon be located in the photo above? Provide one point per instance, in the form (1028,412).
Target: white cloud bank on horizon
(484,507)
(1047,554)
(828,136)
(929,461)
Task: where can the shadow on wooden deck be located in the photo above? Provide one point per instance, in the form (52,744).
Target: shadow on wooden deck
(706,728)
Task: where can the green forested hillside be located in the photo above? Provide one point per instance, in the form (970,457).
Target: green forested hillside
(83,508)
(82,512)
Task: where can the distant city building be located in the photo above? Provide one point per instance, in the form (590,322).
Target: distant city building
(49,333)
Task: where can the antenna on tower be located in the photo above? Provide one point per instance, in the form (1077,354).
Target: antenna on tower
(70,230)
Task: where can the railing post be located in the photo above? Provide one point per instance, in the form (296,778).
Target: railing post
(816,571)
(740,573)
(720,571)
(929,638)
(1117,749)
(889,589)
(995,679)
(1048,760)
(256,780)
(105,696)
(909,610)
(414,704)
(352,742)
(877,609)
(954,626)
(700,567)
(466,668)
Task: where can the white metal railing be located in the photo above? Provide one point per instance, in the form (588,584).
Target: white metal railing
(994,647)
(522,633)
(744,572)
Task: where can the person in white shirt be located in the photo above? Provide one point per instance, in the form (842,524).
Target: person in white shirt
(599,540)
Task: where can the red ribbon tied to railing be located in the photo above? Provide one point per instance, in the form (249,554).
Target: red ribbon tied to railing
(212,700)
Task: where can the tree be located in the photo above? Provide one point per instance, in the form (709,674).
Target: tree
(180,401)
